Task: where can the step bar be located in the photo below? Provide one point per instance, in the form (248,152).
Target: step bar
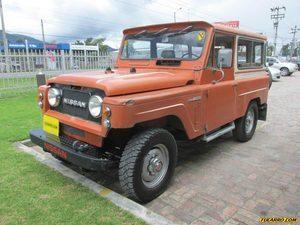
(218,133)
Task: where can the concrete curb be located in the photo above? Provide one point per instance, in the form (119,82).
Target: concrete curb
(119,200)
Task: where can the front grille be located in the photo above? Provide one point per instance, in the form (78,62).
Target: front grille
(80,96)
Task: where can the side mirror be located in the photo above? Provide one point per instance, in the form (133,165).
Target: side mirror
(224,59)
(271,64)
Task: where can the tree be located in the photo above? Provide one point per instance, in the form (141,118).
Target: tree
(89,41)
(270,50)
(99,41)
(78,42)
(92,41)
(286,50)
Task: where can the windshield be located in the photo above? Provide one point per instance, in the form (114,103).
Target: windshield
(186,44)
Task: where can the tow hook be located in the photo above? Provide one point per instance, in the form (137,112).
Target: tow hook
(80,146)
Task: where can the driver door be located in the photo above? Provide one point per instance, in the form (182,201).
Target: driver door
(221,96)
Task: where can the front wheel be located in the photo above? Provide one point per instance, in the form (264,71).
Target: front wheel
(284,71)
(246,125)
(147,164)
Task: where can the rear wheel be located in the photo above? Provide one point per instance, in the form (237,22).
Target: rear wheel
(147,164)
(246,125)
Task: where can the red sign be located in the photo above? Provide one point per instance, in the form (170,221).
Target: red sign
(55,150)
(234,24)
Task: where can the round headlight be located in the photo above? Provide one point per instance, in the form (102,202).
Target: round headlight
(54,96)
(95,106)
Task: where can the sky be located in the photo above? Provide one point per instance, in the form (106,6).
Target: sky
(69,20)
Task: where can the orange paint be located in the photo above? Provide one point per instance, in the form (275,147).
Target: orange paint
(186,91)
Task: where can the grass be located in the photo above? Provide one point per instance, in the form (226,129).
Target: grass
(31,193)
(12,86)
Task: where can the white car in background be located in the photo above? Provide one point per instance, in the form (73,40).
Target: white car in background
(275,73)
(286,68)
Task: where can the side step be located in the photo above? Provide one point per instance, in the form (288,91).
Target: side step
(218,133)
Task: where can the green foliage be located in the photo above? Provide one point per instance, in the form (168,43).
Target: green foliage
(92,41)
(286,50)
(78,42)
(31,193)
(270,50)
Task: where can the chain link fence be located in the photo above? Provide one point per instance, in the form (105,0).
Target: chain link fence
(18,69)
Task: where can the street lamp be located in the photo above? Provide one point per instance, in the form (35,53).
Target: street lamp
(176,12)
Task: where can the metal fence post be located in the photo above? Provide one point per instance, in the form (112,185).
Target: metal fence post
(63,62)
(71,66)
(40,78)
(85,58)
(27,54)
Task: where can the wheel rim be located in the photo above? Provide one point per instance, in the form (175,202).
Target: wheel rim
(249,121)
(284,72)
(155,166)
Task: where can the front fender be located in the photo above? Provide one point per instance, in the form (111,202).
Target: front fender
(184,103)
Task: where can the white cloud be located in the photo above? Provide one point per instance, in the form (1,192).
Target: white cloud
(67,20)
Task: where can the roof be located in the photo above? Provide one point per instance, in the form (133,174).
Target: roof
(218,27)
(237,31)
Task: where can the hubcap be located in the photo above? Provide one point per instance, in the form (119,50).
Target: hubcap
(155,166)
(249,121)
(284,72)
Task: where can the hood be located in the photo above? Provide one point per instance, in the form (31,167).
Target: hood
(289,64)
(125,83)
(273,69)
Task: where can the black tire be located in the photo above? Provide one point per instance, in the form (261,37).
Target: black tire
(240,132)
(132,160)
(285,71)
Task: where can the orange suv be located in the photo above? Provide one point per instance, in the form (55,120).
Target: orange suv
(178,81)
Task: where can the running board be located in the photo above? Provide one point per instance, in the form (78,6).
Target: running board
(218,133)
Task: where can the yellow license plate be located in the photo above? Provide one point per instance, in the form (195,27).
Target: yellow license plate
(51,125)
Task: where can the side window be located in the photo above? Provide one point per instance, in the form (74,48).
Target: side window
(250,54)
(244,50)
(220,42)
(258,53)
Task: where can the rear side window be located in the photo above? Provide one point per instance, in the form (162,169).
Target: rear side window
(250,54)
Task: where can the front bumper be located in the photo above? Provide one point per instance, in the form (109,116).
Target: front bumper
(77,158)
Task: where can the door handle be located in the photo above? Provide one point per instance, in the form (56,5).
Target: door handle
(222,77)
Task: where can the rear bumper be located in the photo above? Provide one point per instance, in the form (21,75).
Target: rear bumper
(77,158)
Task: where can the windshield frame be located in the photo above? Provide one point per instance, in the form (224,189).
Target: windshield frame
(126,36)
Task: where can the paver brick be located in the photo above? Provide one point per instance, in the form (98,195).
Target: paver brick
(226,182)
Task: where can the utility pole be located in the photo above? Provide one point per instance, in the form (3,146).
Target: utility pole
(5,43)
(44,43)
(175,14)
(276,16)
(294,31)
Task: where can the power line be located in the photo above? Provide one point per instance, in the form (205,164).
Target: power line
(276,16)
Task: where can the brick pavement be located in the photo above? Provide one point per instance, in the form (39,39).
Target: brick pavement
(225,182)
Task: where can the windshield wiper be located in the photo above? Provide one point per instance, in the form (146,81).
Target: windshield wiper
(161,31)
(184,30)
(143,32)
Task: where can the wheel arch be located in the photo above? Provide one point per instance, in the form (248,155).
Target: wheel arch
(262,108)
(172,123)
